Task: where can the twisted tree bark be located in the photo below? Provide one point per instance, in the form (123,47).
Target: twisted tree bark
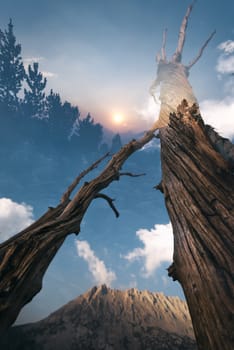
(25,257)
(198,185)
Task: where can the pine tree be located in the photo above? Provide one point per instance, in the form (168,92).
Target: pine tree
(71,114)
(54,105)
(34,98)
(61,118)
(12,70)
(116,143)
(89,134)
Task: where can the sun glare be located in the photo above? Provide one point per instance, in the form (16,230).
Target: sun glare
(118,118)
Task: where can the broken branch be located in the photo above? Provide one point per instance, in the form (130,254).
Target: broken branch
(163,50)
(178,53)
(201,51)
(77,180)
(159,187)
(131,175)
(25,257)
(109,201)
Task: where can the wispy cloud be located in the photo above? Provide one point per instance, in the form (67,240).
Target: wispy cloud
(225,64)
(30,60)
(227,46)
(96,266)
(14,217)
(49,74)
(149,111)
(157,248)
(219,112)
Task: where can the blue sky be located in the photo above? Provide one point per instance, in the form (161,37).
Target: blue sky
(100,55)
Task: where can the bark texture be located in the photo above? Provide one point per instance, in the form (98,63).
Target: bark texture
(25,257)
(198,185)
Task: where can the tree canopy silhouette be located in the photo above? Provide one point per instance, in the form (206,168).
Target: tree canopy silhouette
(34,97)
(38,115)
(12,70)
(87,134)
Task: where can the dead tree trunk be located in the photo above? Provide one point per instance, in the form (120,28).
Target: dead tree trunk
(25,257)
(198,186)
(172,76)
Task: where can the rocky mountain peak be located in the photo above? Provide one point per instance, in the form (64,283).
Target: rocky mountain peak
(105,318)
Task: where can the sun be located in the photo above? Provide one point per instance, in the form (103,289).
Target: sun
(118,118)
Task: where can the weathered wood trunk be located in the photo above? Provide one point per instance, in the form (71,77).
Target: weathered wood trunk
(25,257)
(198,186)
(174,87)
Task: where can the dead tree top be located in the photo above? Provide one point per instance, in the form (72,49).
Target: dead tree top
(172,75)
(177,56)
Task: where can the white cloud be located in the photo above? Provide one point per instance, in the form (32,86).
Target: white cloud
(227,46)
(96,266)
(30,60)
(229,87)
(49,74)
(220,115)
(225,64)
(14,217)
(158,248)
(149,112)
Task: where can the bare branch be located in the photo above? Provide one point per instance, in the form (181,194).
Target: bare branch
(178,53)
(172,272)
(109,174)
(163,50)
(162,57)
(25,257)
(159,187)
(201,51)
(77,180)
(109,201)
(132,175)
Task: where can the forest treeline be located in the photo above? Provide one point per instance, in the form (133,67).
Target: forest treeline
(36,118)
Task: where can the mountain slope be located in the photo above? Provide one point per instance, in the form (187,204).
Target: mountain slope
(104,318)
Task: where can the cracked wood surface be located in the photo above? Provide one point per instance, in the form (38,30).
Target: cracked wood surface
(198,186)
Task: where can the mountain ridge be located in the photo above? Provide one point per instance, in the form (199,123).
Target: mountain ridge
(105,318)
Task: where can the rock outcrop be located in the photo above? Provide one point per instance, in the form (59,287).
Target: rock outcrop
(104,318)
